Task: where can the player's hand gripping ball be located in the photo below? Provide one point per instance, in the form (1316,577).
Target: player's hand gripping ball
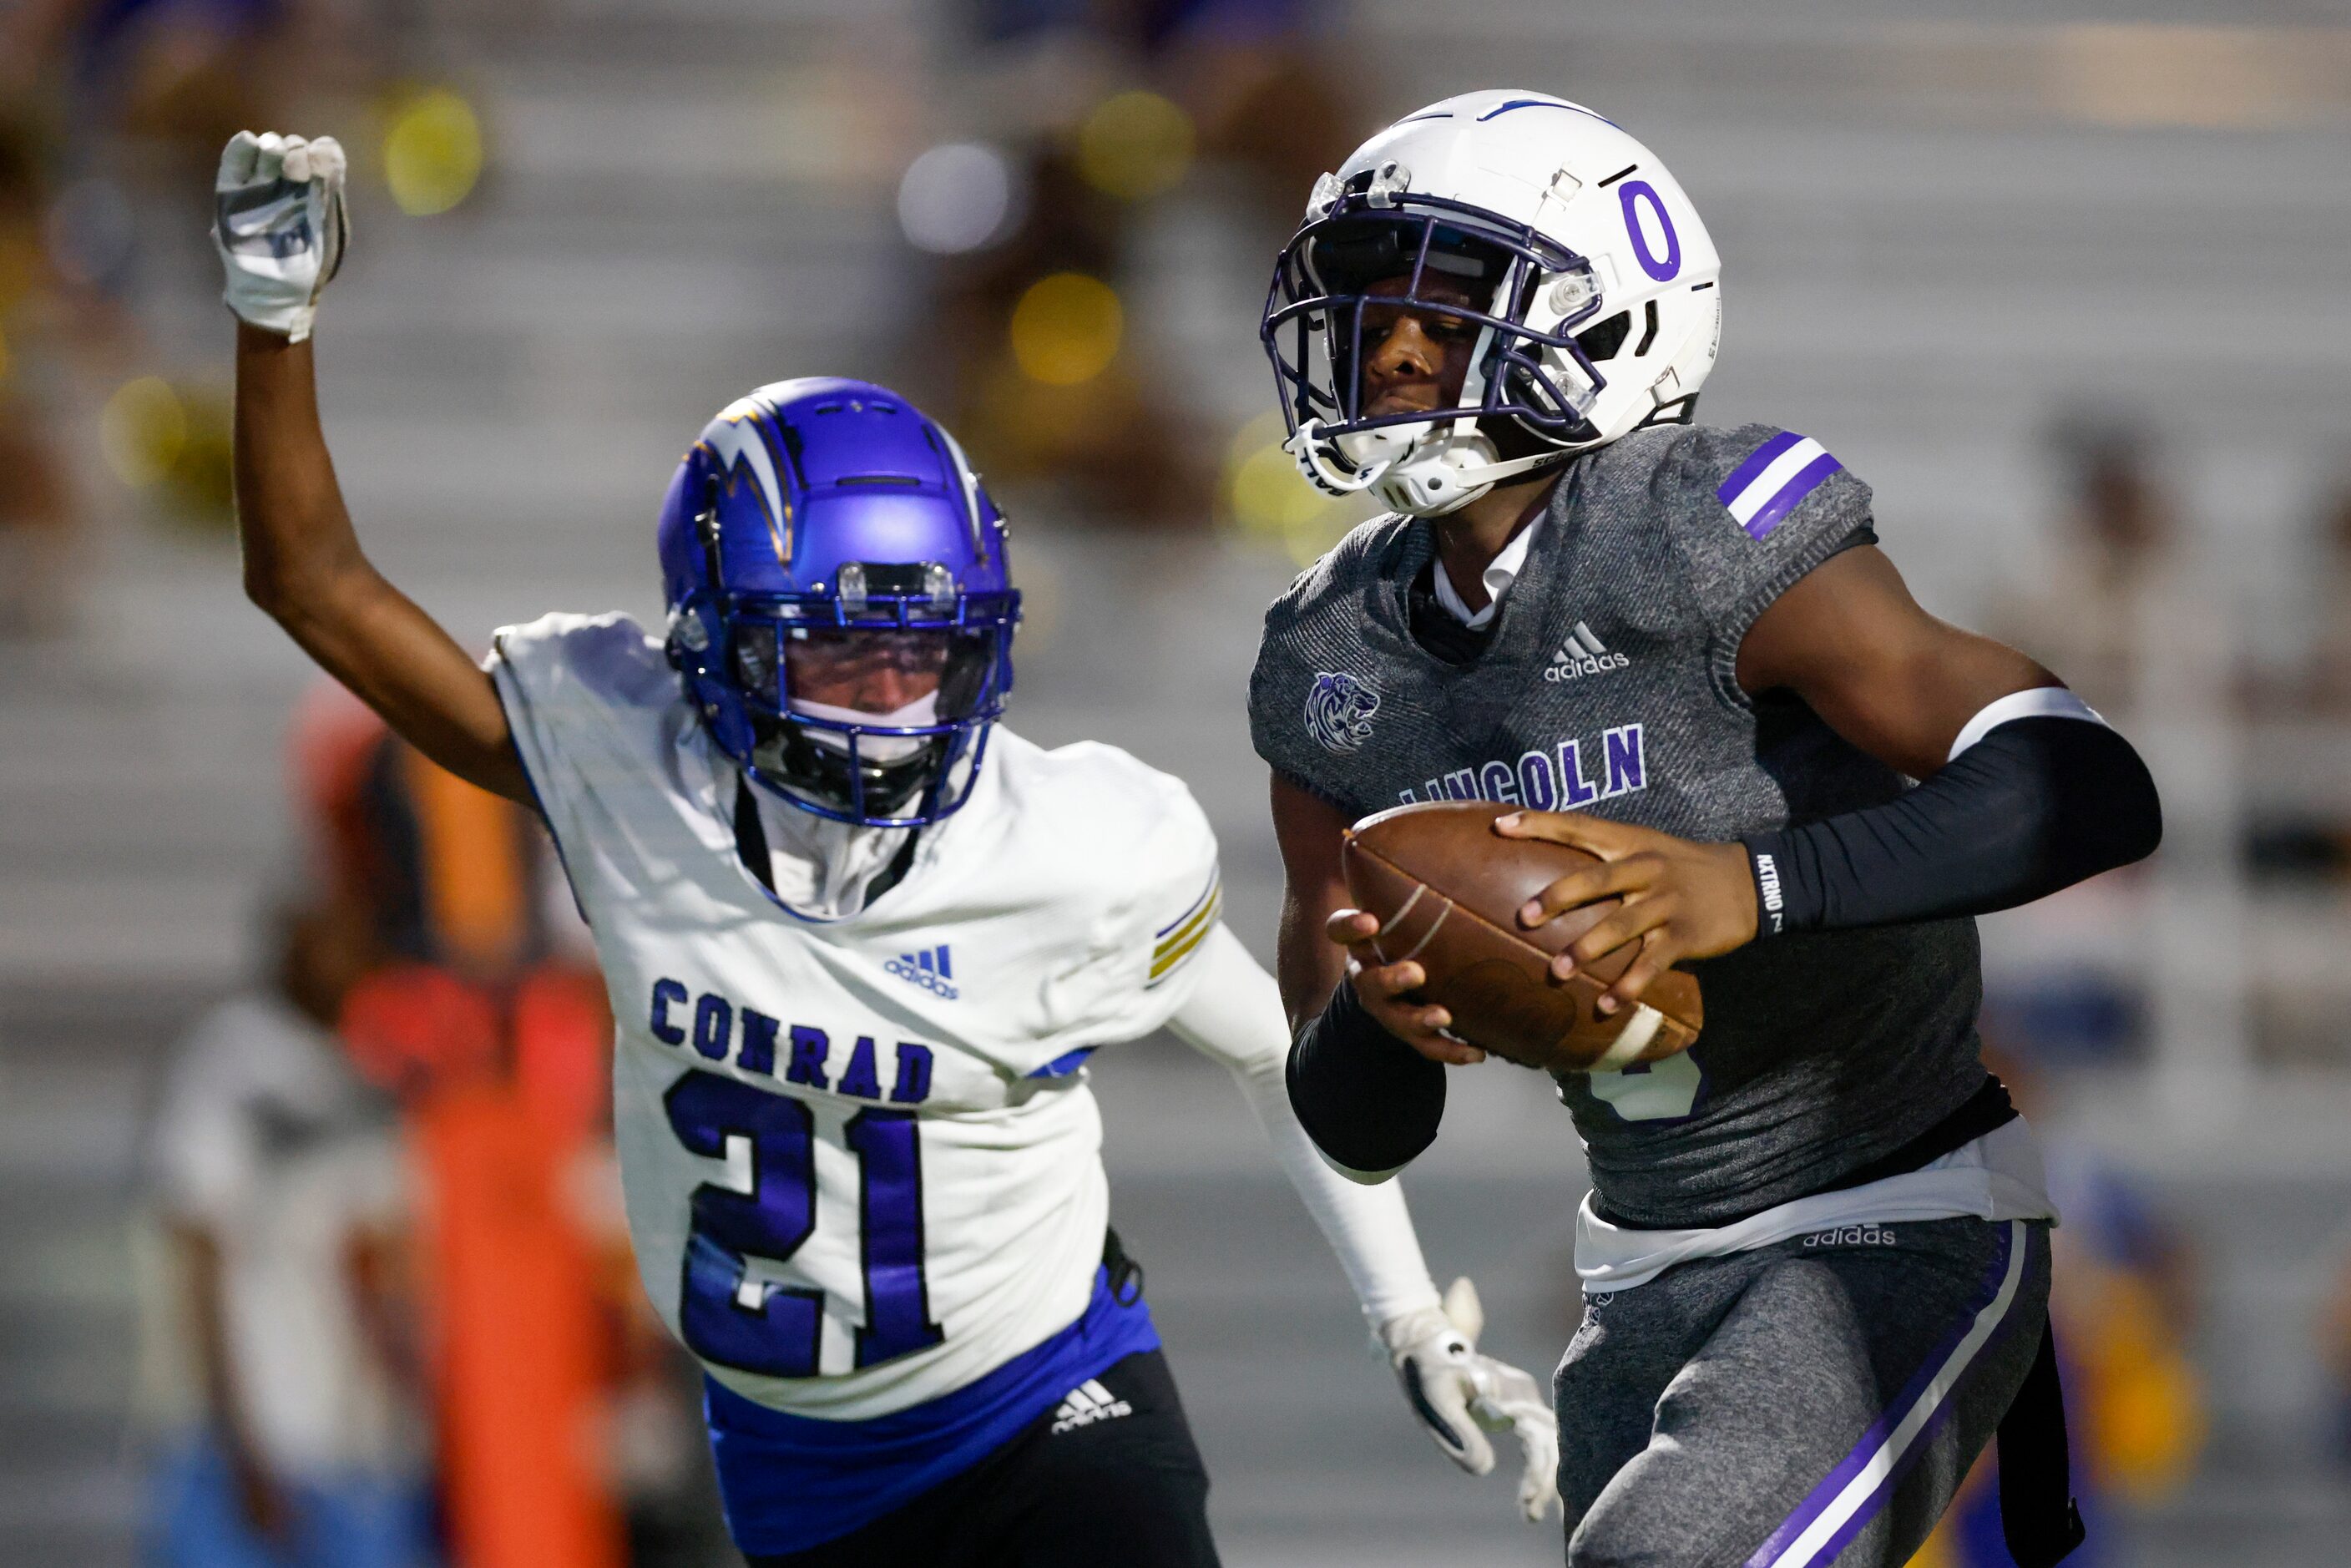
(1452,895)
(279,225)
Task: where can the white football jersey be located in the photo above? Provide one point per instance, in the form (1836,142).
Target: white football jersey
(862,1166)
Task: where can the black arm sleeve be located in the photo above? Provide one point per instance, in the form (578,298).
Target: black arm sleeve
(2036,805)
(1370,1101)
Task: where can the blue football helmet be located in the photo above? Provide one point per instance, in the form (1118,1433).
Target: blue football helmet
(827,511)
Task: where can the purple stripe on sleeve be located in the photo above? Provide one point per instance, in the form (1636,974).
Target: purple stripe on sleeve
(1763,457)
(1834,1484)
(1807,480)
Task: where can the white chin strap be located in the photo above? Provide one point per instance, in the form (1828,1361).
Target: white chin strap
(923,710)
(1431,483)
(1411,469)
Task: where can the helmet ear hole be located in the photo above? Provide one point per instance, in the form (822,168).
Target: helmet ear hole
(1601,341)
(1513,438)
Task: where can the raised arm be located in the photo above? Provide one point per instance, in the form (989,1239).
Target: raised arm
(279,230)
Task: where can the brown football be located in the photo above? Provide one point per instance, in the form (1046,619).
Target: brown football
(1446,891)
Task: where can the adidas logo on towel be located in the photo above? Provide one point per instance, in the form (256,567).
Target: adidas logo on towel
(928,968)
(1088,1403)
(1582,654)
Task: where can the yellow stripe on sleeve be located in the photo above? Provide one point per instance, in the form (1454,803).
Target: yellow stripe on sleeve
(1186,939)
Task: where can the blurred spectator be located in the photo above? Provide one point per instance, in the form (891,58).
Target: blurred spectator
(2105,608)
(1256,77)
(36,519)
(2326,686)
(2123,1301)
(2075,1016)
(2296,840)
(2115,611)
(520,1347)
(2304,841)
(489,1025)
(2335,1352)
(1101,109)
(183,75)
(35,506)
(279,1177)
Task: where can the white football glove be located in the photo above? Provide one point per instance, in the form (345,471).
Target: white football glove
(1459,1396)
(279,225)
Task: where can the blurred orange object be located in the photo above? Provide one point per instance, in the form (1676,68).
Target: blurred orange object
(562,1028)
(2142,1400)
(522,1340)
(415,1030)
(520,1335)
(498,1061)
(473,872)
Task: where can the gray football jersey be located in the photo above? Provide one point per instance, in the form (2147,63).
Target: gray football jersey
(1608,685)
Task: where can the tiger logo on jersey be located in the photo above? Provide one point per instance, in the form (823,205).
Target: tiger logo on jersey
(1338,710)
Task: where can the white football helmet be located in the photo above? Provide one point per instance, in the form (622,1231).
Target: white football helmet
(1604,314)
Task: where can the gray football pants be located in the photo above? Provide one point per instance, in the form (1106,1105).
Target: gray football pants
(1808,1404)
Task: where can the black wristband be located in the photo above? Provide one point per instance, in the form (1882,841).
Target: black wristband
(1370,1101)
(1772,916)
(2036,805)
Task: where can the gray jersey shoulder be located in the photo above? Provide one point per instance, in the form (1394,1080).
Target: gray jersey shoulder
(1748,509)
(1682,534)
(1313,684)
(1741,507)
(1338,573)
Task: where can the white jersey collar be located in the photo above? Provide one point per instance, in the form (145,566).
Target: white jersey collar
(1499,573)
(823,868)
(815,893)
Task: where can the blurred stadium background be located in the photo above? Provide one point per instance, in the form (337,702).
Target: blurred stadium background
(2065,281)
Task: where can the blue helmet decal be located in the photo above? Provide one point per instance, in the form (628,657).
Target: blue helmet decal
(831,515)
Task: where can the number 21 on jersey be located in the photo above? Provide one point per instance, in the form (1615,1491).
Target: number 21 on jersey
(765,1210)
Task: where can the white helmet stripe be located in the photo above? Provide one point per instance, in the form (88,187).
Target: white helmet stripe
(734,440)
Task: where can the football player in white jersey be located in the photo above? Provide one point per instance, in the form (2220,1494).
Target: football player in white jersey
(859,940)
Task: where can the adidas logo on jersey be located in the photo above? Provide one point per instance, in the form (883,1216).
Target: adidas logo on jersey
(1851,1236)
(928,968)
(1088,1403)
(1582,654)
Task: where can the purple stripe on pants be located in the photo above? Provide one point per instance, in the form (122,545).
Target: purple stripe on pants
(1834,1484)
(1808,479)
(1763,457)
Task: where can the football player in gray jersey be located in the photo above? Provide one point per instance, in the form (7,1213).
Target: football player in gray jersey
(1815,1254)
